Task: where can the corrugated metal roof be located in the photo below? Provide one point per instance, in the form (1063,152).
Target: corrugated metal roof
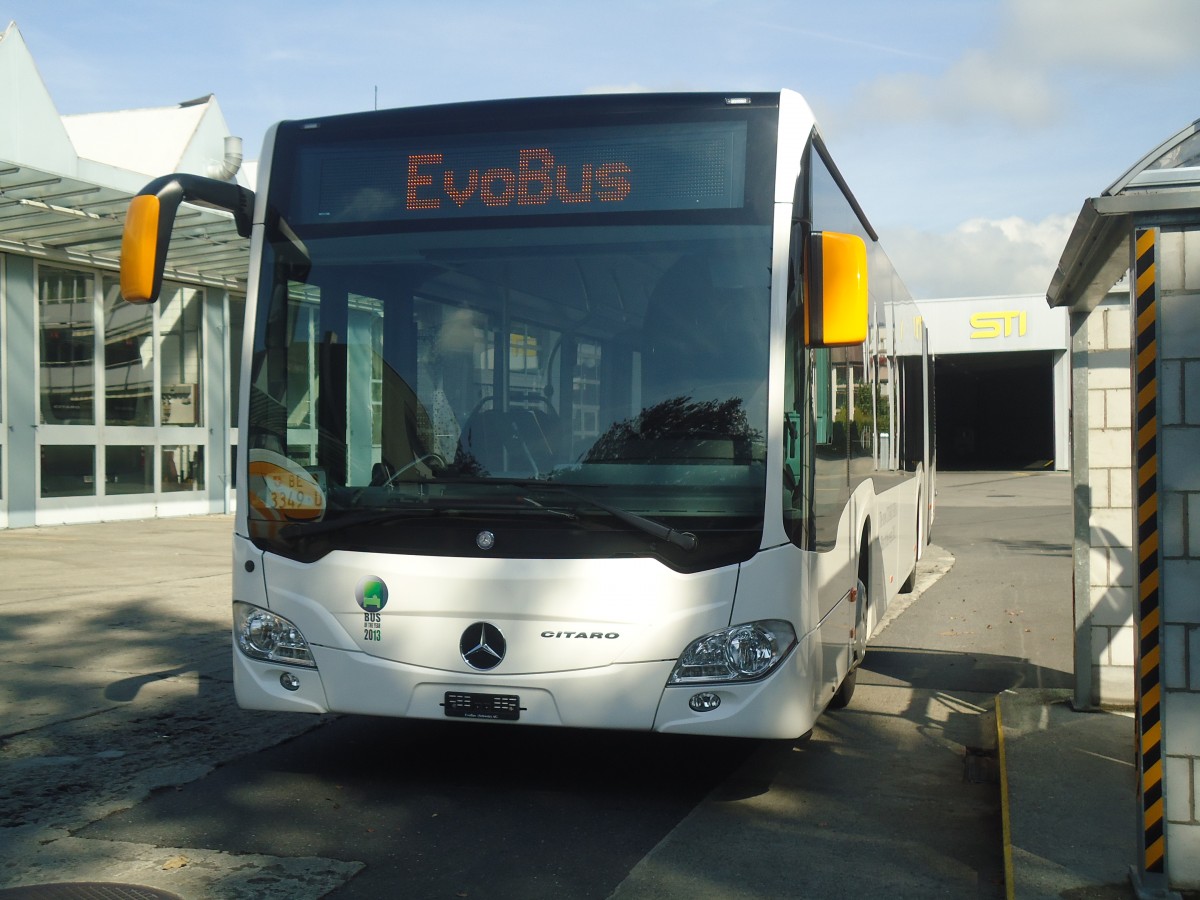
(1164,185)
(56,217)
(1172,163)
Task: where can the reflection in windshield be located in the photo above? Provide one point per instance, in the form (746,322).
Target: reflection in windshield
(632,358)
(681,429)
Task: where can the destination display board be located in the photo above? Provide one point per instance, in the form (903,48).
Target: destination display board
(688,166)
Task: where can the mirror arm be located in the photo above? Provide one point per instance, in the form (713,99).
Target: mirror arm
(151,217)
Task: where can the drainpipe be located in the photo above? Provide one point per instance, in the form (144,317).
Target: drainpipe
(227,168)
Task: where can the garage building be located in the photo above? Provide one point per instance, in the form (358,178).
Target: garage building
(1003,382)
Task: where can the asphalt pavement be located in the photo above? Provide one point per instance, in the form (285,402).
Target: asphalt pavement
(116,685)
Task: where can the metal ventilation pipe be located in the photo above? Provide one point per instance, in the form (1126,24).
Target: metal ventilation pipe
(227,168)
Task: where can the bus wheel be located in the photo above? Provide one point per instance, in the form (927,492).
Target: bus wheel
(858,649)
(845,690)
(911,581)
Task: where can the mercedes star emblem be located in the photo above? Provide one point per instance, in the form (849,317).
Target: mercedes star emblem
(482,646)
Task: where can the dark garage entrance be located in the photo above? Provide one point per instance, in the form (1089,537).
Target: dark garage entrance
(995,410)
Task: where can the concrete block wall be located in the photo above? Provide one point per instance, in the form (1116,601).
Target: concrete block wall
(1179,531)
(1108,626)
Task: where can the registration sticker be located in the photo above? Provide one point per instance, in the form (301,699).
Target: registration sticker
(281,488)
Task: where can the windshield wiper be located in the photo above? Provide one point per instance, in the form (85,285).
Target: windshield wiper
(685,540)
(351,520)
(383,516)
(682,539)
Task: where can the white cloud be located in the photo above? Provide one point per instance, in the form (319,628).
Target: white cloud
(1024,73)
(1103,34)
(977,86)
(980,257)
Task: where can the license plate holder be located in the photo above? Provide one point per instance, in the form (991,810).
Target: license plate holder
(500,707)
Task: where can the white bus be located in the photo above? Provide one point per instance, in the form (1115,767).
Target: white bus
(600,411)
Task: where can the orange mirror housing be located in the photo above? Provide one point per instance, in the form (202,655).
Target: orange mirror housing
(139,249)
(836,281)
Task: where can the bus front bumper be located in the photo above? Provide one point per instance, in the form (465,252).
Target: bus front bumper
(630,696)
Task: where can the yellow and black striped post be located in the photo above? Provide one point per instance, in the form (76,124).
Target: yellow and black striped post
(1152,860)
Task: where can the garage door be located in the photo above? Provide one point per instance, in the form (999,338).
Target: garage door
(995,410)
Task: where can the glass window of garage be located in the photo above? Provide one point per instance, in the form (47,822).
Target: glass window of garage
(181,314)
(67,329)
(128,359)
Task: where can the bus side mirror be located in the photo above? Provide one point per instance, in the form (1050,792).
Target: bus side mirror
(144,248)
(151,215)
(836,288)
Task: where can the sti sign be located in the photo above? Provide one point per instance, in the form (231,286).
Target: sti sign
(994,325)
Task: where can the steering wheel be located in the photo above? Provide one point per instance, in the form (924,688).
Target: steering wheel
(435,459)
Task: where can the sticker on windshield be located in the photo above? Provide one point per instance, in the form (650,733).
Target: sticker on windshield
(282,489)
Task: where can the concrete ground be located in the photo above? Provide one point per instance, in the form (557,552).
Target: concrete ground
(115,652)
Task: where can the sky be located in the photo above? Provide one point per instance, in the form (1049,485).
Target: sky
(971,131)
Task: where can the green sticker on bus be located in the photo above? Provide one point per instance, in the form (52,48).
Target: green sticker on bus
(371,594)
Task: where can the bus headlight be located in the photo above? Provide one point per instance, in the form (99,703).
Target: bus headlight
(263,635)
(739,653)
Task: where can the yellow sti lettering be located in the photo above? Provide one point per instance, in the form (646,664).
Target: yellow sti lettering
(989,325)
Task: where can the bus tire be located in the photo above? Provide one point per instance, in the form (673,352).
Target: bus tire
(845,692)
(911,581)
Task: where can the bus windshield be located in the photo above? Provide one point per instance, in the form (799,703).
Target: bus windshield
(420,381)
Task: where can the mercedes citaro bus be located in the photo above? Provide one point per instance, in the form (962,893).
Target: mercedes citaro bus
(599,411)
